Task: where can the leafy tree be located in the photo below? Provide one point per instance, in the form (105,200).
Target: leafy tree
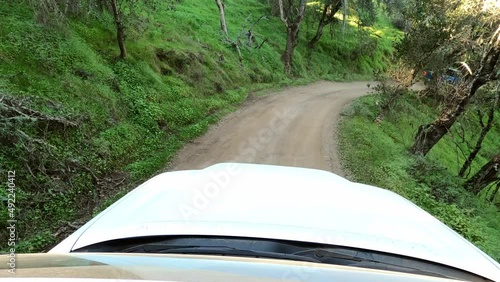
(444,33)
(397,11)
(328,10)
(365,9)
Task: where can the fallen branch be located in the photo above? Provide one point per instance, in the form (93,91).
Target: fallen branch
(262,43)
(237,47)
(249,33)
(11,107)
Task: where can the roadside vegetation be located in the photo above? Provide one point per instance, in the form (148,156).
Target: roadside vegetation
(378,154)
(438,147)
(96,96)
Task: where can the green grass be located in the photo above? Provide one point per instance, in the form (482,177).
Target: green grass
(378,155)
(133,115)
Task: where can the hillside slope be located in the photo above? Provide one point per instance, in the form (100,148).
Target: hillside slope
(379,156)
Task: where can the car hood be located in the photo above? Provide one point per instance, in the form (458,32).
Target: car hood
(285,203)
(89,267)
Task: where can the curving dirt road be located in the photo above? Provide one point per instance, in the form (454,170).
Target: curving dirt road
(294,127)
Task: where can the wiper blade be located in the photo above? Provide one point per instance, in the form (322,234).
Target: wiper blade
(324,253)
(213,250)
(358,258)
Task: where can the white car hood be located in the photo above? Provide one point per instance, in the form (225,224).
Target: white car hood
(285,203)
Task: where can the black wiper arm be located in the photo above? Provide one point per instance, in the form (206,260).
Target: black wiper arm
(214,250)
(338,255)
(363,259)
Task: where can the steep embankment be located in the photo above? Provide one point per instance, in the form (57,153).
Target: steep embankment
(379,156)
(78,124)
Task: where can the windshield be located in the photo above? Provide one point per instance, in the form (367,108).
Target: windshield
(279,249)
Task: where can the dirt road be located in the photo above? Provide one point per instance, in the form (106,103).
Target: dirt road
(294,127)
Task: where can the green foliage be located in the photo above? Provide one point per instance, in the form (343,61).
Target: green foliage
(36,242)
(377,154)
(367,12)
(442,184)
(397,11)
(450,32)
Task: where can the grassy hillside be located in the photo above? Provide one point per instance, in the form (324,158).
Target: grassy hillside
(377,154)
(80,125)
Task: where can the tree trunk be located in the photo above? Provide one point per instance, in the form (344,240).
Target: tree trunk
(327,17)
(428,135)
(292,38)
(223,25)
(312,43)
(292,22)
(120,29)
(488,174)
(484,131)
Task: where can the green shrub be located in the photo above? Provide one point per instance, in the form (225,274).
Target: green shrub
(443,186)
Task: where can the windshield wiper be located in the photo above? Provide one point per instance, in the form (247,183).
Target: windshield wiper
(213,250)
(357,258)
